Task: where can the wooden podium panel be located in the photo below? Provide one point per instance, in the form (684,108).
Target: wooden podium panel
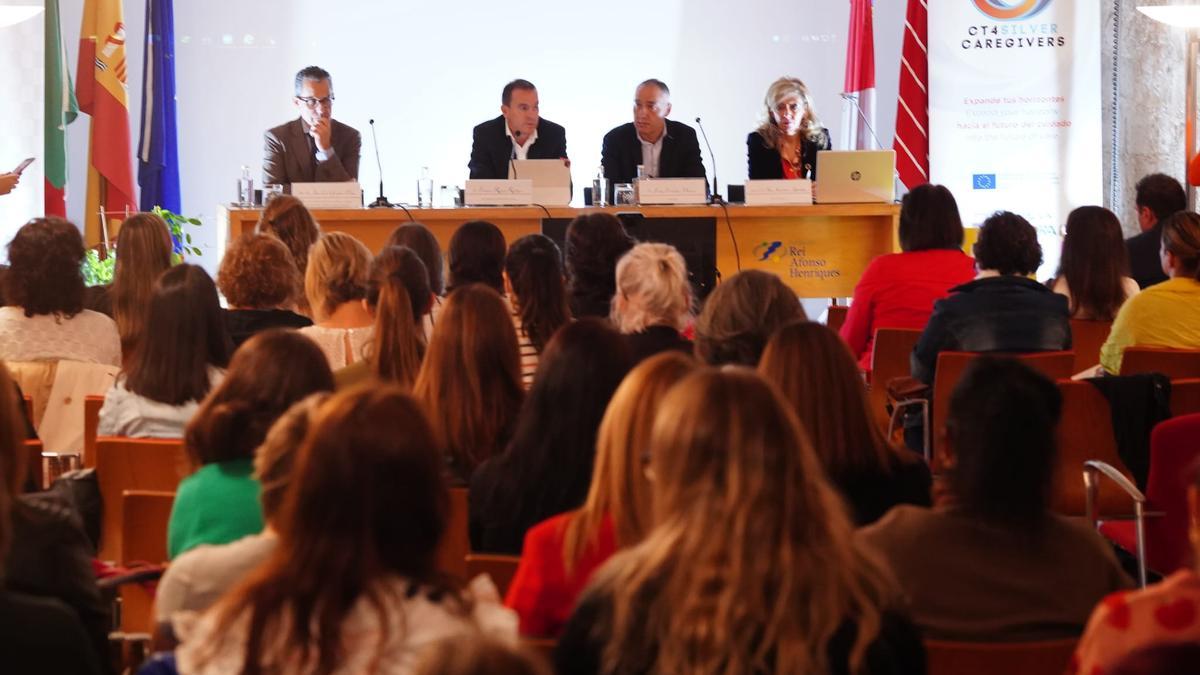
(820,250)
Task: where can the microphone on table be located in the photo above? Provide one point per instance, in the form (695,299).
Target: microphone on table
(512,156)
(716,191)
(382,202)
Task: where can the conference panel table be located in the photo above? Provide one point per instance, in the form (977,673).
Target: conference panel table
(819,250)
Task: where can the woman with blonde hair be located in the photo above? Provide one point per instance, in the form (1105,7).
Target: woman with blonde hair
(561,553)
(288,220)
(144,250)
(785,145)
(750,566)
(653,302)
(339,267)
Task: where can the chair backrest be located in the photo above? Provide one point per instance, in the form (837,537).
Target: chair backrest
(501,568)
(1085,433)
(33,455)
(1174,446)
(91,425)
(132,464)
(1087,337)
(1185,396)
(1174,363)
(27,402)
(952,365)
(456,544)
(36,379)
(890,360)
(835,316)
(1049,657)
(144,518)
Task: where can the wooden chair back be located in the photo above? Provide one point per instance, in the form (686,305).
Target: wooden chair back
(1185,396)
(144,518)
(501,568)
(1087,337)
(1049,657)
(132,464)
(91,424)
(452,554)
(1085,433)
(35,470)
(27,402)
(890,360)
(836,316)
(1174,363)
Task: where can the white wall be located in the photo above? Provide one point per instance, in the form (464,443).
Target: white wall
(21,115)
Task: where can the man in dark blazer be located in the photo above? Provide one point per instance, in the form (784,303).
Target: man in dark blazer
(314,148)
(665,148)
(518,133)
(1156,197)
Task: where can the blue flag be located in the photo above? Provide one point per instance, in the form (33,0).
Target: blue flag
(158,147)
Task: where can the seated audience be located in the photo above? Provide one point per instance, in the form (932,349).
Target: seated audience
(1157,197)
(219,502)
(178,360)
(258,279)
(45,319)
(398,295)
(750,566)
(817,375)
(286,218)
(547,466)
(653,300)
(476,256)
(995,564)
(1002,310)
(533,277)
(351,586)
(336,283)
(594,244)
(741,314)
(418,237)
(470,379)
(144,251)
(898,290)
(476,655)
(1168,313)
(561,553)
(1093,267)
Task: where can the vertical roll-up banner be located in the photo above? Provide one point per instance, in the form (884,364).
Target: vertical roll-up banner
(1015,110)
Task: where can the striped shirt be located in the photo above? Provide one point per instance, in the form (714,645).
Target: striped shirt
(529,353)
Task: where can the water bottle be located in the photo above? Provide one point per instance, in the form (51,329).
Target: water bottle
(599,188)
(246,189)
(641,171)
(425,189)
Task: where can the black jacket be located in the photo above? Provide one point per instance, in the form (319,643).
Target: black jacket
(996,314)
(622,152)
(655,340)
(763,163)
(1145,266)
(491,148)
(242,324)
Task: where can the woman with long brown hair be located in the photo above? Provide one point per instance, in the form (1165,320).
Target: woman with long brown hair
(144,249)
(470,380)
(815,371)
(287,219)
(352,586)
(740,315)
(533,279)
(750,567)
(1093,271)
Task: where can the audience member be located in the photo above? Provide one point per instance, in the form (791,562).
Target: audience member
(1002,310)
(996,564)
(750,566)
(817,375)
(1157,197)
(653,300)
(1168,313)
(177,361)
(594,243)
(219,502)
(476,256)
(336,283)
(144,249)
(533,277)
(470,379)
(1094,264)
(351,586)
(45,318)
(547,466)
(398,295)
(741,314)
(418,237)
(286,218)
(258,279)
(561,553)
(898,290)
(478,655)
(1162,659)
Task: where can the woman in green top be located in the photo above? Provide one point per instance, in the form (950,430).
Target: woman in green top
(219,502)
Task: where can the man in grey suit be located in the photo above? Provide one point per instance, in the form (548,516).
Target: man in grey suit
(315,148)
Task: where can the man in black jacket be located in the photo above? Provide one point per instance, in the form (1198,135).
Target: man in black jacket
(518,133)
(1157,196)
(665,148)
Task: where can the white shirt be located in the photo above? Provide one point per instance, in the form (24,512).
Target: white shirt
(88,336)
(520,151)
(342,346)
(651,153)
(125,413)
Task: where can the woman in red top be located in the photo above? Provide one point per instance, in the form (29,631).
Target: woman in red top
(561,553)
(898,290)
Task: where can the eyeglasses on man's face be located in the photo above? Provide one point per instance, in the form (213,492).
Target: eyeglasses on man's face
(312,102)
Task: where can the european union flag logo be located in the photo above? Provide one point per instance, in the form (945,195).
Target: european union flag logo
(984,181)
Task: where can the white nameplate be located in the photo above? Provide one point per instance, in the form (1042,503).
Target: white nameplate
(491,192)
(340,195)
(671,191)
(768,192)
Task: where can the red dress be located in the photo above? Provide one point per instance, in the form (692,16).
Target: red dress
(542,593)
(898,291)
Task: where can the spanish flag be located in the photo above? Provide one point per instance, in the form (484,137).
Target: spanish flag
(101,94)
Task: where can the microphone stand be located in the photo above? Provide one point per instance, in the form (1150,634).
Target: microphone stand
(715,198)
(853,98)
(382,202)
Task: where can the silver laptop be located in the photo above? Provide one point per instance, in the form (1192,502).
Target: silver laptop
(551,179)
(855,177)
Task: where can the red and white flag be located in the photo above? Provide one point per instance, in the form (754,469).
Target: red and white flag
(859,92)
(912,113)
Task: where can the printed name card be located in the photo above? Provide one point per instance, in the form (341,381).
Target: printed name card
(489,192)
(769,192)
(671,191)
(347,195)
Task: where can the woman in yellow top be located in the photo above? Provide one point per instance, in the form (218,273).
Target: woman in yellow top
(1166,314)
